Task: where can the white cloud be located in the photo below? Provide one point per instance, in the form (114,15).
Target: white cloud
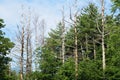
(10,12)
(47,9)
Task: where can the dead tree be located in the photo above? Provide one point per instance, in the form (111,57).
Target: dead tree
(103,36)
(94,48)
(21,41)
(39,36)
(22,51)
(42,30)
(28,44)
(20,38)
(74,20)
(35,24)
(63,37)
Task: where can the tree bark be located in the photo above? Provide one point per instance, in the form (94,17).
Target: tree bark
(76,53)
(94,49)
(86,40)
(103,37)
(22,51)
(63,37)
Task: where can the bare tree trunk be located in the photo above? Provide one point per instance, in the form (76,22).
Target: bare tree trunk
(76,53)
(28,45)
(43,32)
(75,38)
(63,37)
(30,61)
(35,23)
(82,51)
(86,38)
(27,54)
(94,49)
(22,51)
(103,37)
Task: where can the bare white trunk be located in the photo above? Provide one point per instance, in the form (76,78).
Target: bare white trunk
(28,44)
(76,54)
(103,37)
(94,49)
(63,37)
(75,38)
(22,51)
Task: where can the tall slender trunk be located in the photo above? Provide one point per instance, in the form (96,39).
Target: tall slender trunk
(35,23)
(86,42)
(82,51)
(28,43)
(30,60)
(103,37)
(103,40)
(76,52)
(42,32)
(75,38)
(63,37)
(22,51)
(94,49)
(27,52)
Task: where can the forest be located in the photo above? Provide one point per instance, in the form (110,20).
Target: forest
(84,47)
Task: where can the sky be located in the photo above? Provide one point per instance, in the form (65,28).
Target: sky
(10,11)
(49,10)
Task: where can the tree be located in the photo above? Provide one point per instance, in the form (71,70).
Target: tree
(49,64)
(63,37)
(103,37)
(5,46)
(23,44)
(74,20)
(116,11)
(28,40)
(39,36)
(20,38)
(115,6)
(54,40)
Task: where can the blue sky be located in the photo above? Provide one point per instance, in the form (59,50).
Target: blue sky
(46,9)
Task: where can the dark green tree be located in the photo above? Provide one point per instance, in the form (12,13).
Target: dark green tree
(49,64)
(116,5)
(54,40)
(5,46)
(116,10)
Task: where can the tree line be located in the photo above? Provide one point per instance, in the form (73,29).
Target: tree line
(88,50)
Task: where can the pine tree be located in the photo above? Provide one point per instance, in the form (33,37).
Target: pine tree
(5,46)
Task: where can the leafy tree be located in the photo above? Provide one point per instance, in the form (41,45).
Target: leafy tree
(5,47)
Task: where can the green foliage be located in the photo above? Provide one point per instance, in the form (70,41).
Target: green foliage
(54,40)
(5,47)
(89,42)
(66,71)
(90,70)
(35,76)
(49,64)
(116,5)
(116,10)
